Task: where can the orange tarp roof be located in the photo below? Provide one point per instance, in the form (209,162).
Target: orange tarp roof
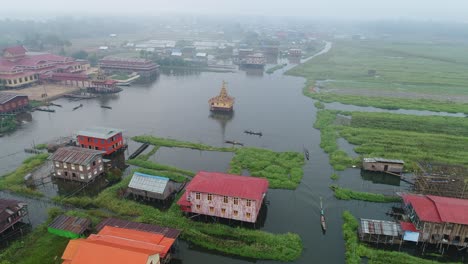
(116,245)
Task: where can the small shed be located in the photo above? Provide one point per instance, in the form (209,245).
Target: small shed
(379,231)
(69,226)
(383,165)
(151,187)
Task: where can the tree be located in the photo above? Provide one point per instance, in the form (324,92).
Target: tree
(81,55)
(93,59)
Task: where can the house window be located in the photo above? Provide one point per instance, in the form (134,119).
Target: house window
(236,213)
(73,166)
(100,168)
(64,165)
(73,175)
(82,176)
(236,200)
(94,163)
(99,160)
(198,207)
(88,167)
(59,172)
(225,199)
(89,175)
(197,196)
(210,197)
(466,240)
(66,173)
(247,215)
(57,164)
(249,202)
(445,238)
(223,210)
(81,168)
(95,171)
(211,209)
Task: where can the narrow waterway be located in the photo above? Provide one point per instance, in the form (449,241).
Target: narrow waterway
(175,106)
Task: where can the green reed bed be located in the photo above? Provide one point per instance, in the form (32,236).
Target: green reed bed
(348,194)
(165,142)
(282,169)
(14,181)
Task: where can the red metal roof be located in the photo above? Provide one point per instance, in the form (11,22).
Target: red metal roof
(407,226)
(438,209)
(16,50)
(76,225)
(228,184)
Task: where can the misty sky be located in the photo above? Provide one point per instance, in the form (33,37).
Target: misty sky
(344,9)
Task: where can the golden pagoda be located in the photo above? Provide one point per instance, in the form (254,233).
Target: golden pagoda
(222,102)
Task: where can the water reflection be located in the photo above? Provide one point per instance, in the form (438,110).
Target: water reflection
(380,178)
(223,118)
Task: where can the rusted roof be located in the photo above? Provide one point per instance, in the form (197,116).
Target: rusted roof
(6,97)
(384,160)
(9,207)
(75,155)
(100,132)
(166,231)
(76,225)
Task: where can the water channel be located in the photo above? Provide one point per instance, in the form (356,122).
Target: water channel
(175,106)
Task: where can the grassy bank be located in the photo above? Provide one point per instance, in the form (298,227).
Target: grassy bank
(407,137)
(7,124)
(390,103)
(282,169)
(275,68)
(222,238)
(149,154)
(325,122)
(348,194)
(355,250)
(159,167)
(369,73)
(165,142)
(14,181)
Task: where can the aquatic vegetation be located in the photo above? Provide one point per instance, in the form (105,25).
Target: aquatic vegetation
(328,140)
(165,142)
(41,146)
(282,169)
(14,181)
(410,138)
(335,177)
(275,68)
(149,154)
(7,124)
(348,194)
(319,105)
(175,176)
(159,167)
(355,70)
(356,250)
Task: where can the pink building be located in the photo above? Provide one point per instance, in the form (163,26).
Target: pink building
(224,195)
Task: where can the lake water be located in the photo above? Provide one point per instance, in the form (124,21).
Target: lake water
(175,106)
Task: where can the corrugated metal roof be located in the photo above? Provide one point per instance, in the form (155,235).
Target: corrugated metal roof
(99,132)
(438,209)
(148,182)
(380,227)
(166,231)
(75,155)
(228,184)
(76,225)
(383,160)
(9,207)
(6,97)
